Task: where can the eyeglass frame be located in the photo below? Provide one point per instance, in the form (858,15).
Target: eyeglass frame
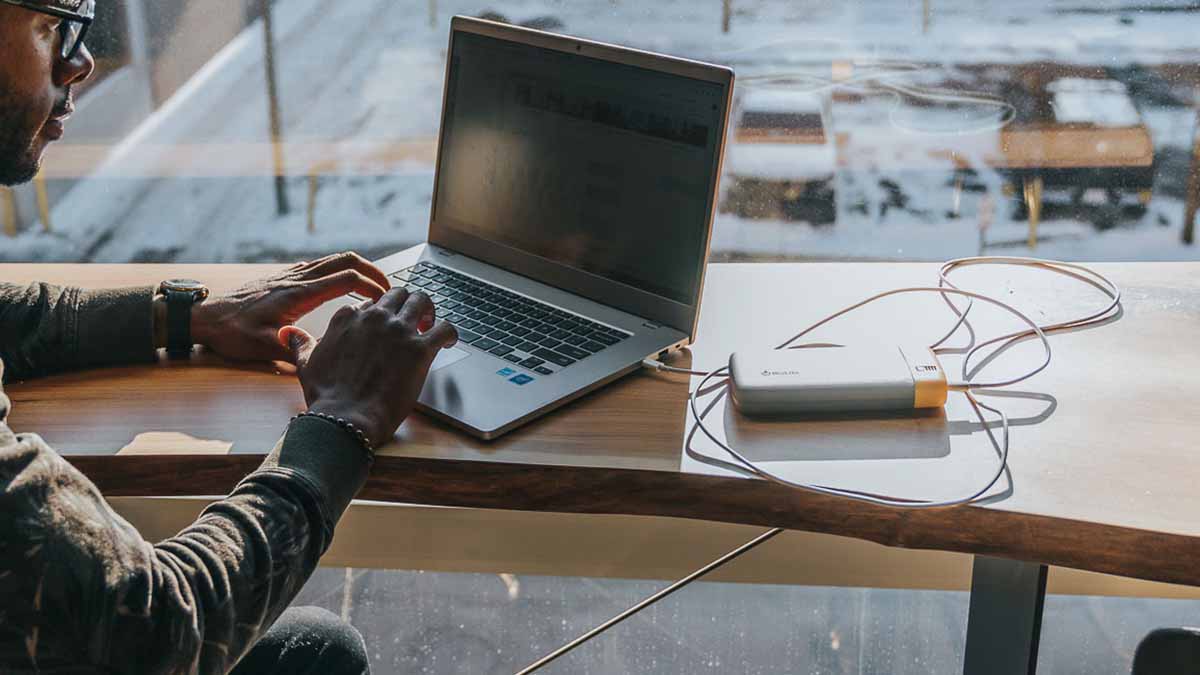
(82,19)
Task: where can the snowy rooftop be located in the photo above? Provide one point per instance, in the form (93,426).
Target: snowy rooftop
(779,100)
(1104,103)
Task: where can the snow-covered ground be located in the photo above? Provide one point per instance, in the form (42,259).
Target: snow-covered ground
(360,79)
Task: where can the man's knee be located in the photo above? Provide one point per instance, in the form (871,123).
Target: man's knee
(310,640)
(1168,651)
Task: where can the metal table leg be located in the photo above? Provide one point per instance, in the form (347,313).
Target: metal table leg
(1004,622)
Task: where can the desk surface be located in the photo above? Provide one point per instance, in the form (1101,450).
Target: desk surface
(1102,467)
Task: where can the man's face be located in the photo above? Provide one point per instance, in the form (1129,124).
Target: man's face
(35,89)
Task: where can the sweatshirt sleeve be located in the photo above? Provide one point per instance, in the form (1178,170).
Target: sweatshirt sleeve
(80,588)
(47,329)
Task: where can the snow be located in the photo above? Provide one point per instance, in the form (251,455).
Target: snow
(782,161)
(777,100)
(1103,103)
(358,78)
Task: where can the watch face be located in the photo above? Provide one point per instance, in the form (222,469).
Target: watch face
(185,286)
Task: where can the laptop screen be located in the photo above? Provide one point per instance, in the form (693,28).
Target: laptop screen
(599,166)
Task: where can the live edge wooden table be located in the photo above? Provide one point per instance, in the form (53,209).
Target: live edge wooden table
(1103,471)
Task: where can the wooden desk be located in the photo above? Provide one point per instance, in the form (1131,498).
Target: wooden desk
(1103,442)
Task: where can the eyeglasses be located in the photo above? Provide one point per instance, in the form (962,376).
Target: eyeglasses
(75,22)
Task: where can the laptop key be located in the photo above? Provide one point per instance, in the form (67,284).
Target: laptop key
(467,336)
(527,347)
(542,370)
(549,342)
(500,350)
(495,333)
(560,334)
(553,357)
(469,324)
(593,347)
(531,323)
(506,326)
(532,362)
(477,314)
(573,352)
(603,338)
(575,340)
(485,344)
(511,340)
(512,357)
(519,330)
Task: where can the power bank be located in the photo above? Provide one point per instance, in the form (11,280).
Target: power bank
(836,379)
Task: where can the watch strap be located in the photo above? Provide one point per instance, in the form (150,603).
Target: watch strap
(179,322)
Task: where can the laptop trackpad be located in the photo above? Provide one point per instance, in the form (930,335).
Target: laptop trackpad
(448,357)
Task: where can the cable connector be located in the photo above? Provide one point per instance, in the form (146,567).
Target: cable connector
(659,366)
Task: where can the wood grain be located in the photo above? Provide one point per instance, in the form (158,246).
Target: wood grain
(1103,464)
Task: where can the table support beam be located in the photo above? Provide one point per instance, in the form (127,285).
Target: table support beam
(1004,622)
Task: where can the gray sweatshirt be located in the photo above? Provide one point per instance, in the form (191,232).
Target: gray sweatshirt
(80,590)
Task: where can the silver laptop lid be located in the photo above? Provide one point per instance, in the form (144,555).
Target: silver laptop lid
(585,166)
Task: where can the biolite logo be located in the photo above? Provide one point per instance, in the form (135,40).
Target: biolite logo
(777,373)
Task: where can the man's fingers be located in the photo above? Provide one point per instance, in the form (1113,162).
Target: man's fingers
(341,262)
(418,309)
(442,335)
(298,343)
(394,299)
(346,281)
(310,295)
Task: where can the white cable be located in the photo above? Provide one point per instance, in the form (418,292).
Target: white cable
(1106,285)
(945,288)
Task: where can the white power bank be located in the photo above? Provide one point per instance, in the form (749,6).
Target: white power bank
(836,379)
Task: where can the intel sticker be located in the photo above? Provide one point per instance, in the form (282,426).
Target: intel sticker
(521,380)
(505,372)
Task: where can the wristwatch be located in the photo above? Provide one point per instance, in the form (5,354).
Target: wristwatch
(181,294)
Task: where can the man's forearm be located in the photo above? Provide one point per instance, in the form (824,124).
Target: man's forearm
(191,604)
(46,329)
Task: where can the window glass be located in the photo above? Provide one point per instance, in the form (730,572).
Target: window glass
(867,130)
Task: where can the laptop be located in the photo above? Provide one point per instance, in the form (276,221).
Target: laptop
(573,201)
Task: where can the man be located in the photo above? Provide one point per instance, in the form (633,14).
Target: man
(80,590)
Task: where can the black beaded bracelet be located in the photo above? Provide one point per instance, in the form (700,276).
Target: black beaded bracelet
(345,425)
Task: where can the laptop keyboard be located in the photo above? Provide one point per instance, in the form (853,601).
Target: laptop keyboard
(518,329)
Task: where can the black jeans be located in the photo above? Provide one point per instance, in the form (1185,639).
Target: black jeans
(307,641)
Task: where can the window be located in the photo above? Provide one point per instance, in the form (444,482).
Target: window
(870,130)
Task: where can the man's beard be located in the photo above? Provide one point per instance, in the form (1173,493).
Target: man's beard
(18,161)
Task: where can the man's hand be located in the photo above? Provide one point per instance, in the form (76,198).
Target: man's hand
(244,325)
(372,363)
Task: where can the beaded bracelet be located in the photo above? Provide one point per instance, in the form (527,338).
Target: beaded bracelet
(345,425)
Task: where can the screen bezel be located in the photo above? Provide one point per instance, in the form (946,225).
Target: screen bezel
(663,310)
